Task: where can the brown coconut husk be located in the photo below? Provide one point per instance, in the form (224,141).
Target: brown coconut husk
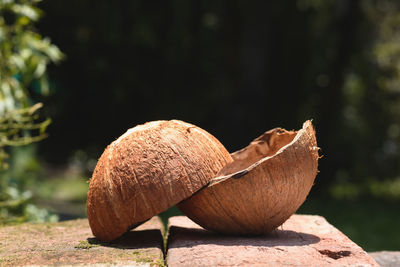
(147,170)
(264,185)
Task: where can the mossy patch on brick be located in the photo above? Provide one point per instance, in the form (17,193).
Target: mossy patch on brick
(84,244)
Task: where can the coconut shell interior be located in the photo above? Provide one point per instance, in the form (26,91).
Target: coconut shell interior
(263,146)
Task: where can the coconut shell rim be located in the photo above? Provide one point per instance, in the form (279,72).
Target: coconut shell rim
(243,172)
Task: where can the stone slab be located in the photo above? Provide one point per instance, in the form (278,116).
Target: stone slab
(72,243)
(387,258)
(303,240)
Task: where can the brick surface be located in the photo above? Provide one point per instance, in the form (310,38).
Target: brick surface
(387,258)
(72,243)
(303,240)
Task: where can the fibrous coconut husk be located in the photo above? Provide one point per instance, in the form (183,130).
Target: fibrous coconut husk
(148,170)
(264,185)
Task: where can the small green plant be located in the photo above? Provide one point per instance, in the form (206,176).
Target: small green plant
(24,56)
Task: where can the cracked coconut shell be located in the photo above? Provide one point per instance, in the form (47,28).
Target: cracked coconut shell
(264,185)
(148,170)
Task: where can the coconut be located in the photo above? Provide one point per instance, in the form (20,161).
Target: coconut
(264,185)
(147,170)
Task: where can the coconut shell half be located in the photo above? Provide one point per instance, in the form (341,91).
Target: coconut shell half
(147,170)
(264,185)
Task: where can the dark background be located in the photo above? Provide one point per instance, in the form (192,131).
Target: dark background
(234,68)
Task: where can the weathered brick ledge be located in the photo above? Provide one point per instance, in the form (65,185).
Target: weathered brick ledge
(72,243)
(303,240)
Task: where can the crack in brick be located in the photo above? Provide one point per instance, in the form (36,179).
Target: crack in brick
(335,254)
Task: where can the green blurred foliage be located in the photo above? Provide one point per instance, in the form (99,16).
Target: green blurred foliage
(16,187)
(24,56)
(16,127)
